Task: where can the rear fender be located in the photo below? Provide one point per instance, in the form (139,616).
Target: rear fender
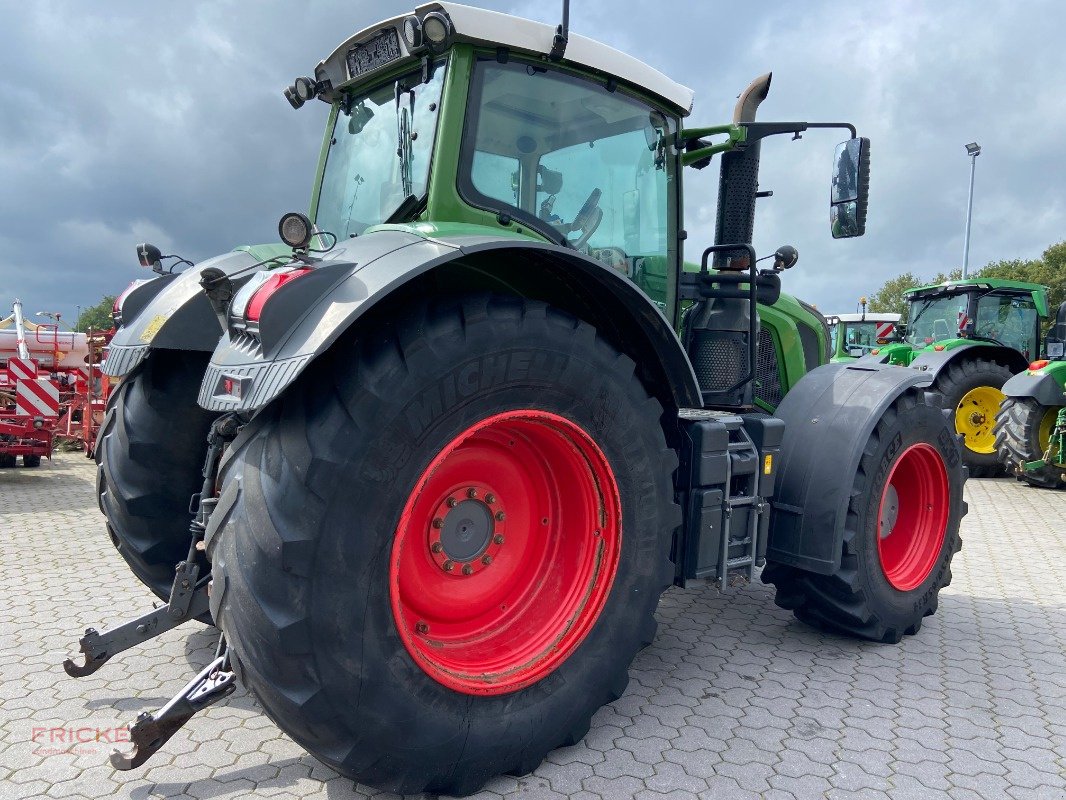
(1045,386)
(297,327)
(170,312)
(829,416)
(933,362)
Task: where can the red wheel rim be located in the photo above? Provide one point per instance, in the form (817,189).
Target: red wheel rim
(912,516)
(505,552)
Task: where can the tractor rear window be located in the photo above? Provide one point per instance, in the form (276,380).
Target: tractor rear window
(379,153)
(571,159)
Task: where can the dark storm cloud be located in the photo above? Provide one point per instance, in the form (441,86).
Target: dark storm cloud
(122,122)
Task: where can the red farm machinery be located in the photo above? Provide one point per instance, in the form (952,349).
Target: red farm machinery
(51,388)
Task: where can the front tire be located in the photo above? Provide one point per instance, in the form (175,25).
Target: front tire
(407,629)
(150,455)
(901,532)
(31,461)
(971,388)
(1023,428)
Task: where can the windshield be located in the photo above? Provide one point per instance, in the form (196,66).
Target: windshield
(379,153)
(571,160)
(935,319)
(865,335)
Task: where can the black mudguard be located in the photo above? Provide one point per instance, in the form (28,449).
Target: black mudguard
(829,416)
(170,312)
(932,363)
(306,316)
(1045,389)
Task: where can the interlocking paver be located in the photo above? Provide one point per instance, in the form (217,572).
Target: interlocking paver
(735,698)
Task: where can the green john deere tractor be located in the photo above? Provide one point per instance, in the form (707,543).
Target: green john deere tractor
(1031,425)
(474,415)
(971,336)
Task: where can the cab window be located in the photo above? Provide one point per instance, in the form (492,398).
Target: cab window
(573,161)
(1008,319)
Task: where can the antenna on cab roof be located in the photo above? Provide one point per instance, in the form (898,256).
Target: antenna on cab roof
(561,34)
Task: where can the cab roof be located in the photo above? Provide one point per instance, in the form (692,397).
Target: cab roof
(481,27)
(1039,292)
(869,316)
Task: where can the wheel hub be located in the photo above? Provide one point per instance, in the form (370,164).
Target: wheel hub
(467,530)
(975,416)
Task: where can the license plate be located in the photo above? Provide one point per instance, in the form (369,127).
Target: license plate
(382,49)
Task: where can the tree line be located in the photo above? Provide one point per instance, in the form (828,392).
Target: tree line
(1049,270)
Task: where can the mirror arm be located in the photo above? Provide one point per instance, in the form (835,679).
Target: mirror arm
(697,151)
(740,136)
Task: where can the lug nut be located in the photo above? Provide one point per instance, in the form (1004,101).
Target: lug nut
(500,516)
(498,538)
(490,498)
(467,569)
(486,560)
(436,547)
(452,502)
(438,523)
(447,566)
(422,627)
(471,493)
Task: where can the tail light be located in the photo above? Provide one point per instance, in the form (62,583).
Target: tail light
(267,289)
(1038,364)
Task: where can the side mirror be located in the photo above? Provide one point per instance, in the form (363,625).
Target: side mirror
(850,193)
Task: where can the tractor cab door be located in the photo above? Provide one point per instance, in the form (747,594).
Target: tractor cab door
(1008,319)
(581,165)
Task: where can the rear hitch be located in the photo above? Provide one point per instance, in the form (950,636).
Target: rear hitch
(151,731)
(186,604)
(188,594)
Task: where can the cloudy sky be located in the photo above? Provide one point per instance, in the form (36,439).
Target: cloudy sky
(128,121)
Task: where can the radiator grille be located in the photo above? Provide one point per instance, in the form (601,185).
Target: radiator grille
(720,358)
(767,372)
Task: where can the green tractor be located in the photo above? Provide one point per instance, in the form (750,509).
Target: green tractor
(853,336)
(474,415)
(1031,425)
(971,336)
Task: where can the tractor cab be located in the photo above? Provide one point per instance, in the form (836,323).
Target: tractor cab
(999,312)
(855,335)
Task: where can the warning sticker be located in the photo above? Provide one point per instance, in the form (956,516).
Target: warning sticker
(767,465)
(152,328)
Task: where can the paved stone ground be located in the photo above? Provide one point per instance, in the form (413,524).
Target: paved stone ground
(734,699)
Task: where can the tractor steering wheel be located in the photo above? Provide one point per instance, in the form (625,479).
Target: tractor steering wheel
(587,220)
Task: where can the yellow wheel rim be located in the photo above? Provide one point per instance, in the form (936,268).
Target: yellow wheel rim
(975,418)
(1047,423)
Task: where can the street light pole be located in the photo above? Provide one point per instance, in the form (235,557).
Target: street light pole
(974,150)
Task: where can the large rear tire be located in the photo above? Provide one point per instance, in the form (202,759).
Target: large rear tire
(972,389)
(436,556)
(1023,428)
(901,533)
(150,455)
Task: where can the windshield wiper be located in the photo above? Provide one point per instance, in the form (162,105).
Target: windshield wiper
(409,208)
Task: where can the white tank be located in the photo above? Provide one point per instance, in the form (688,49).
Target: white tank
(42,344)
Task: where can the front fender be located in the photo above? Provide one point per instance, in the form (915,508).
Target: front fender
(170,312)
(1045,386)
(246,374)
(829,416)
